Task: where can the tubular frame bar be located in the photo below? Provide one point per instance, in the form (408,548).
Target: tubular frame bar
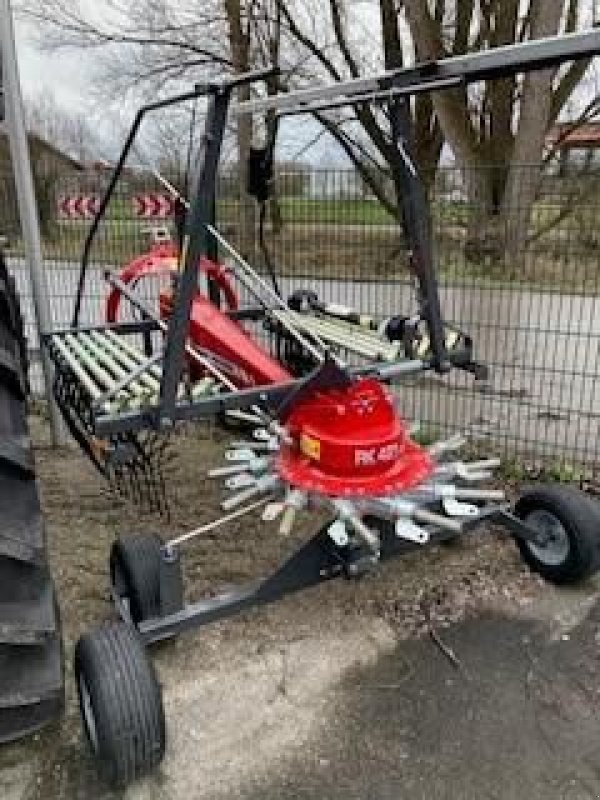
(379,95)
(152,361)
(195,245)
(318,560)
(137,326)
(198,91)
(416,222)
(265,396)
(208,359)
(497,62)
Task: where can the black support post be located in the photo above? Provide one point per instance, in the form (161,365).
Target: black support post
(212,251)
(417,228)
(195,246)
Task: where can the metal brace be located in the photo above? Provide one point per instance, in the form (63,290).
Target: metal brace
(405,529)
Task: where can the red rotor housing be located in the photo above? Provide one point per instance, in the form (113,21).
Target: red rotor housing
(351,442)
(209,327)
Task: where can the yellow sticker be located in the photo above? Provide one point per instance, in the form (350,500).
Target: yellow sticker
(310,447)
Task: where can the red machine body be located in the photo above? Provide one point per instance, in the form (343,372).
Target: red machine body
(213,330)
(209,327)
(351,442)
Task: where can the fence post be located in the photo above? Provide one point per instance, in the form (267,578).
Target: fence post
(19,150)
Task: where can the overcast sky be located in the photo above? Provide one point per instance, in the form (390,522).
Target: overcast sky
(68,77)
(65,75)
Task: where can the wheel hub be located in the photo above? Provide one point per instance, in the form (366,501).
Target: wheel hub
(552,544)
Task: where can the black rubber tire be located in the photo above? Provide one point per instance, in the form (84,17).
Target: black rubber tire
(135,573)
(31,654)
(11,317)
(580,518)
(125,701)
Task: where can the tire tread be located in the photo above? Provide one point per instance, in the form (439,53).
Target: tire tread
(126,700)
(580,515)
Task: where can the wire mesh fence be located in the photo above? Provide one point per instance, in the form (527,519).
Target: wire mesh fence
(519,266)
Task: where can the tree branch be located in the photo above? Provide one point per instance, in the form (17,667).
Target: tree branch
(347,145)
(308,43)
(341,40)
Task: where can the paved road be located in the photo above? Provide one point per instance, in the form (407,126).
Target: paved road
(542,346)
(357,715)
(518,720)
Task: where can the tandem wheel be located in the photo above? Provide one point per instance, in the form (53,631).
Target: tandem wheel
(135,576)
(568,522)
(120,701)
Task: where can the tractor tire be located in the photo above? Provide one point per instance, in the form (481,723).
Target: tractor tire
(135,574)
(121,703)
(569,524)
(31,659)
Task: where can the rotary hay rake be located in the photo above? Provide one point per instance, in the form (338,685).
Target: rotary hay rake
(327,434)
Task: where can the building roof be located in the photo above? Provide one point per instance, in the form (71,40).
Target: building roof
(569,135)
(41,147)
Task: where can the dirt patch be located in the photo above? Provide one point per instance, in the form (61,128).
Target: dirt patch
(438,584)
(245,692)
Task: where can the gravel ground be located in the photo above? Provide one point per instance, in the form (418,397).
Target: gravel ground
(246,698)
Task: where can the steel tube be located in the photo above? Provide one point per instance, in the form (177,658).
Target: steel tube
(97,371)
(493,63)
(125,382)
(329,326)
(427,517)
(93,389)
(368,97)
(478,494)
(12,102)
(319,356)
(217,523)
(121,355)
(369,345)
(133,352)
(266,418)
(111,364)
(189,349)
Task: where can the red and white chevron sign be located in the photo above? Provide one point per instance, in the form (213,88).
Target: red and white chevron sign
(78,206)
(153,205)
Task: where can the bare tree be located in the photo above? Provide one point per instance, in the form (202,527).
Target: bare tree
(496,130)
(497,133)
(493,129)
(331,50)
(138,48)
(69,131)
(165,44)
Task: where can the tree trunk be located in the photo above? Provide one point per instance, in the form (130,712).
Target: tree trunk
(240,55)
(501,196)
(524,174)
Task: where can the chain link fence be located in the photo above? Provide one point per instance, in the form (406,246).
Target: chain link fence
(519,267)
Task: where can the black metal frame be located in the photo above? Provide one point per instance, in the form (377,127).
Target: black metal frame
(316,561)
(197,240)
(436,75)
(320,558)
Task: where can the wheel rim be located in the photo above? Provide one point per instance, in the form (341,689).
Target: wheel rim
(87,712)
(553,545)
